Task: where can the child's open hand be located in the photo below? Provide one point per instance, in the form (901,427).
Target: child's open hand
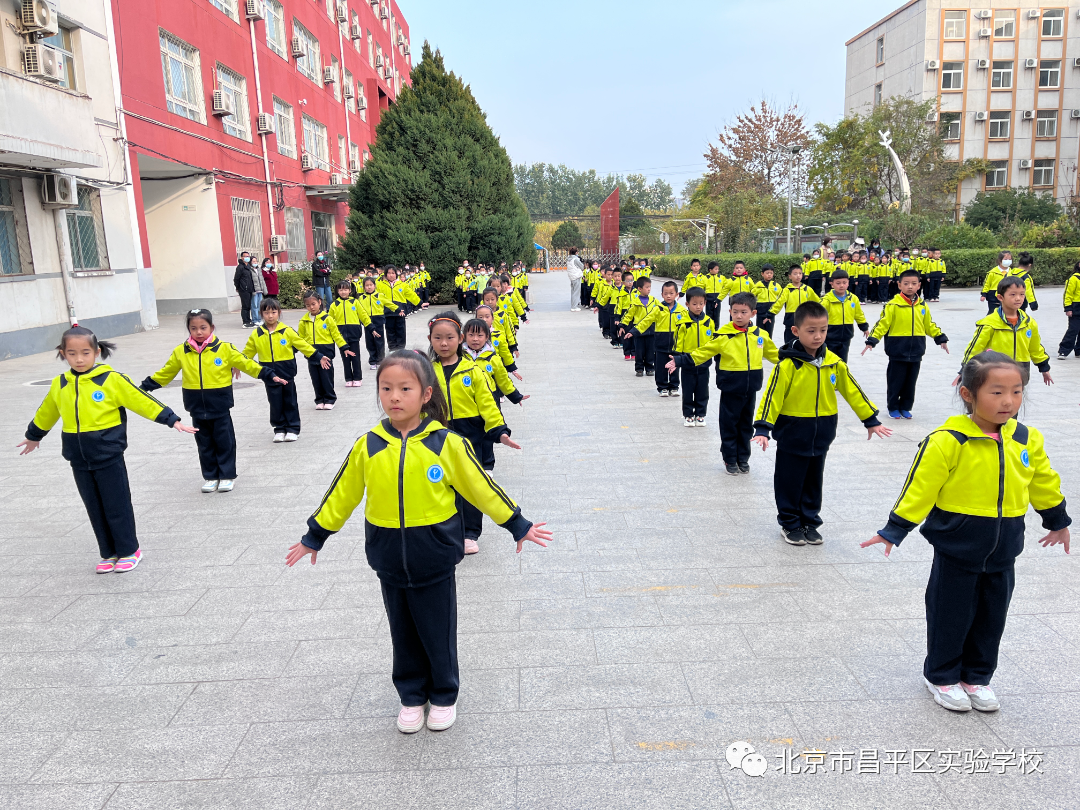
(236,374)
(516,374)
(524,397)
(325,362)
(180,426)
(348,353)
(504,439)
(762,442)
(865,350)
(376,334)
(281,381)
(670,365)
(880,431)
(27,446)
(1058,538)
(298,552)
(945,346)
(535,535)
(956,381)
(877,538)
(1047,378)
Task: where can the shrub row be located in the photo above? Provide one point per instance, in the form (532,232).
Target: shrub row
(292,283)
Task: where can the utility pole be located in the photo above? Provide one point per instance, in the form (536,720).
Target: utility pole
(792,151)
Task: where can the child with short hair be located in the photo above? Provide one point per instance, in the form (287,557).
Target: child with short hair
(1071,301)
(497,339)
(905,324)
(478,347)
(695,332)
(321,331)
(601,294)
(934,269)
(714,286)
(1011,331)
(622,301)
(767,291)
(970,487)
(740,281)
(641,307)
(792,296)
(799,408)
(694,279)
(375,308)
(351,319)
(663,321)
(1025,265)
(739,347)
(845,312)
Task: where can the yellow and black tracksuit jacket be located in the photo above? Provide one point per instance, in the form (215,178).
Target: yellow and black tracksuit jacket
(993,278)
(639,311)
(1021,342)
(470,405)
(739,352)
(601,293)
(905,324)
(321,331)
(934,268)
(1029,286)
(693,333)
(817,268)
(715,284)
(206,376)
(277,348)
(350,316)
(843,316)
(93,406)
(663,321)
(738,284)
(791,297)
(971,493)
(413,533)
(620,300)
(860,269)
(374,306)
(692,280)
(1071,297)
(488,359)
(508,305)
(397,293)
(502,348)
(768,292)
(799,405)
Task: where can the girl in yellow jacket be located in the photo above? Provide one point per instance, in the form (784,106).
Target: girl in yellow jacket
(1071,301)
(970,487)
(92,400)
(417,475)
(478,347)
(352,319)
(377,309)
(471,407)
(1011,331)
(321,331)
(208,365)
(399,294)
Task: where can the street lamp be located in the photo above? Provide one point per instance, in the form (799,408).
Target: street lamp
(792,151)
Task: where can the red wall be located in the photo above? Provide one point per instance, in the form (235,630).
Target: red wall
(219,39)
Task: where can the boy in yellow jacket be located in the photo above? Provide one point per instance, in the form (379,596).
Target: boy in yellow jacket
(664,322)
(1071,302)
(799,409)
(693,334)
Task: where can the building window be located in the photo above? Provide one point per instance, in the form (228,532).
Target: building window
(354,157)
(86,232)
(877,94)
(955,24)
(998,174)
(1050,73)
(361,101)
(234,85)
(247,226)
(61,43)
(356,43)
(952,75)
(322,232)
(343,153)
(1001,76)
(1053,25)
(1046,124)
(1043,173)
(337,77)
(227,6)
(275,28)
(310,64)
(1004,23)
(296,234)
(14,238)
(315,142)
(880,53)
(950,126)
(999,124)
(370,50)
(330,9)
(350,101)
(183,81)
(286,128)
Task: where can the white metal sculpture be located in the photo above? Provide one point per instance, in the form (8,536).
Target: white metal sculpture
(905,186)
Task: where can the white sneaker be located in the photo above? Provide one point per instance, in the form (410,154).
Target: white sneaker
(279,437)
(319,406)
(373,366)
(210,486)
(688,421)
(952,697)
(226,485)
(982,697)
(328,406)
(291,437)
(663,392)
(700,421)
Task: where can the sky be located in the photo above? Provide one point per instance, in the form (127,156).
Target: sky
(631,86)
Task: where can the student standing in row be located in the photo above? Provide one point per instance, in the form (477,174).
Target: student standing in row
(351,319)
(1071,300)
(845,312)
(767,291)
(989,289)
(1011,331)
(694,333)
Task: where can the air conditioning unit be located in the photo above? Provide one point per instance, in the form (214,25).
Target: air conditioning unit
(980,116)
(1074,113)
(982,15)
(407,51)
(59,191)
(388,73)
(400,39)
(223,104)
(348,91)
(384,12)
(361,102)
(307,162)
(355,165)
(379,61)
(985,32)
(374,4)
(356,32)
(1028,114)
(1025,163)
(1033,14)
(267,124)
(982,64)
(1031,63)
(39,17)
(41,62)
(298,51)
(342,12)
(931,116)
(932,64)
(329,74)
(1076,61)
(256,10)
(278,244)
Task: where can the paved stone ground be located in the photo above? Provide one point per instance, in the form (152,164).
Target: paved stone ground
(613,670)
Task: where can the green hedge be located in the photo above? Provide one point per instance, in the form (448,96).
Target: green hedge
(966,268)
(292,283)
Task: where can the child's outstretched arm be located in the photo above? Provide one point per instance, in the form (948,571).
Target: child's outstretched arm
(1045,494)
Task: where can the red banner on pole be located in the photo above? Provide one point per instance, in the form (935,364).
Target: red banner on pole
(609,223)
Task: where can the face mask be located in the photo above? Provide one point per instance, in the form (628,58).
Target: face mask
(247,259)
(319,256)
(1006,263)
(815,256)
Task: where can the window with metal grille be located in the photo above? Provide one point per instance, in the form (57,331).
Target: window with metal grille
(315,142)
(233,84)
(275,28)
(1053,22)
(183,82)
(357,43)
(227,6)
(322,232)
(1046,124)
(877,94)
(1001,75)
(86,232)
(286,128)
(247,226)
(15,259)
(1050,73)
(310,64)
(999,124)
(998,174)
(296,234)
(1043,173)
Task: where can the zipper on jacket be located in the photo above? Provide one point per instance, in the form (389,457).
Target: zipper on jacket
(1000,498)
(401,509)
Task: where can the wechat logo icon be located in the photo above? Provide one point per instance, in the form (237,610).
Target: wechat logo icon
(742,755)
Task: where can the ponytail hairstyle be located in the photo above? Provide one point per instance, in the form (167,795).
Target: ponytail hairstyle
(198,313)
(420,367)
(104,346)
(977,370)
(1025,259)
(446,317)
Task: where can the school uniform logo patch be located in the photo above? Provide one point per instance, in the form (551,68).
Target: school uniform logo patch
(761,341)
(853,305)
(494,343)
(99,396)
(466,380)
(708,332)
(832,379)
(1029,333)
(434,473)
(488,367)
(324,326)
(1025,459)
(678,317)
(217,361)
(283,342)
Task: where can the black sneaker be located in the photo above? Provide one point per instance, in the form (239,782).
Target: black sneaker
(793,537)
(731,469)
(813,536)
(640,373)
(649,373)
(744,467)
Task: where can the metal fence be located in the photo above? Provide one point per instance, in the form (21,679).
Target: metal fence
(556,259)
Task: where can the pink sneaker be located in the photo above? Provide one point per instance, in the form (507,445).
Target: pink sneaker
(106,566)
(471,546)
(318,406)
(441,718)
(410,719)
(125,564)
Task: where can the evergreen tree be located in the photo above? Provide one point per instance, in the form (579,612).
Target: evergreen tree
(567,235)
(438,187)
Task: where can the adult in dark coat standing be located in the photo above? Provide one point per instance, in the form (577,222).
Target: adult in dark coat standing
(245,288)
